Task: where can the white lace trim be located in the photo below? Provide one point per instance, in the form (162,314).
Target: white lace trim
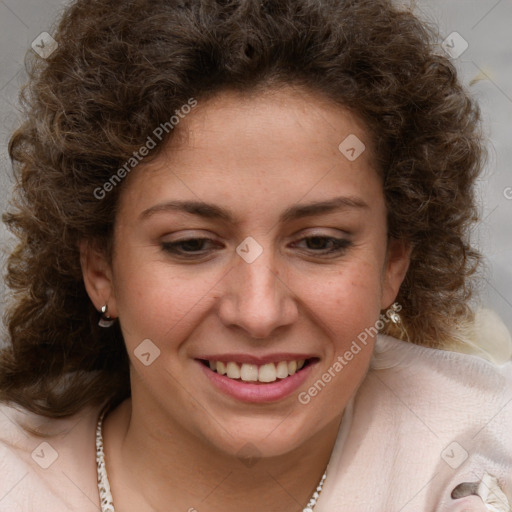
(106,501)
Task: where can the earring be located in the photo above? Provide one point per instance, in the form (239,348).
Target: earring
(105,321)
(393,314)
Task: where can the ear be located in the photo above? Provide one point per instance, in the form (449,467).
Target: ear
(97,275)
(397,263)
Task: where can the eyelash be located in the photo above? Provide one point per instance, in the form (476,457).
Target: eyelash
(338,246)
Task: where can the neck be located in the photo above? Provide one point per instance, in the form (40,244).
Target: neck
(151,467)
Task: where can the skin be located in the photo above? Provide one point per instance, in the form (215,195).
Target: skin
(174,445)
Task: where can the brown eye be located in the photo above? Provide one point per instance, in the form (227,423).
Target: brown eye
(324,244)
(190,247)
(318,242)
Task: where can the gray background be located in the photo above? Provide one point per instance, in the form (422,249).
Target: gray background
(484,24)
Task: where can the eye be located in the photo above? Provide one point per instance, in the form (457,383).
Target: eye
(323,245)
(191,247)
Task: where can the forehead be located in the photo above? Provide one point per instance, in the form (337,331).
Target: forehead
(284,143)
(278,119)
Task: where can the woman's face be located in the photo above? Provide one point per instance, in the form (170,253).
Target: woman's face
(254,243)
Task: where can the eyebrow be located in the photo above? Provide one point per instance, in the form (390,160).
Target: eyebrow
(298,211)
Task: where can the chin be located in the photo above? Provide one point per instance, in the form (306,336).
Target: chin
(261,437)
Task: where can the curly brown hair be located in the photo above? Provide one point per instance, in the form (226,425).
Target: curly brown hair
(123,68)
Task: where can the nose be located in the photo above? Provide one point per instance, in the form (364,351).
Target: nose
(257,299)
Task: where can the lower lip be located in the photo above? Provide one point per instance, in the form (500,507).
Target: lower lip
(261,392)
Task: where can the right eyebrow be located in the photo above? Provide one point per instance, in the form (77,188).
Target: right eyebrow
(206,210)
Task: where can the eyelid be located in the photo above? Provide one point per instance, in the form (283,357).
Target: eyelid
(189,239)
(323,231)
(325,237)
(187,234)
(172,248)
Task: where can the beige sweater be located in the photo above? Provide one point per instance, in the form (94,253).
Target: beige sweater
(425,425)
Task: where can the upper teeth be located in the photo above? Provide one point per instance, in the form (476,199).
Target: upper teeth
(252,372)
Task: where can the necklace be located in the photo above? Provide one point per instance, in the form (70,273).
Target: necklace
(106,501)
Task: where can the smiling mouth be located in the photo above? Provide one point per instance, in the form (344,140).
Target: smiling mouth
(265,373)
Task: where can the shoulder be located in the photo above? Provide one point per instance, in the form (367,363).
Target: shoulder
(441,371)
(425,421)
(52,470)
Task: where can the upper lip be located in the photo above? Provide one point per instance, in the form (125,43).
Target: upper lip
(257,360)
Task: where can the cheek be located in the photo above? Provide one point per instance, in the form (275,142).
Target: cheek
(348,301)
(154,300)
(160,301)
(347,306)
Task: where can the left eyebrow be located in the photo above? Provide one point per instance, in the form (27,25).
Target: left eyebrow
(298,211)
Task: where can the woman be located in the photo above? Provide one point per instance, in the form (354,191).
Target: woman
(220,205)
